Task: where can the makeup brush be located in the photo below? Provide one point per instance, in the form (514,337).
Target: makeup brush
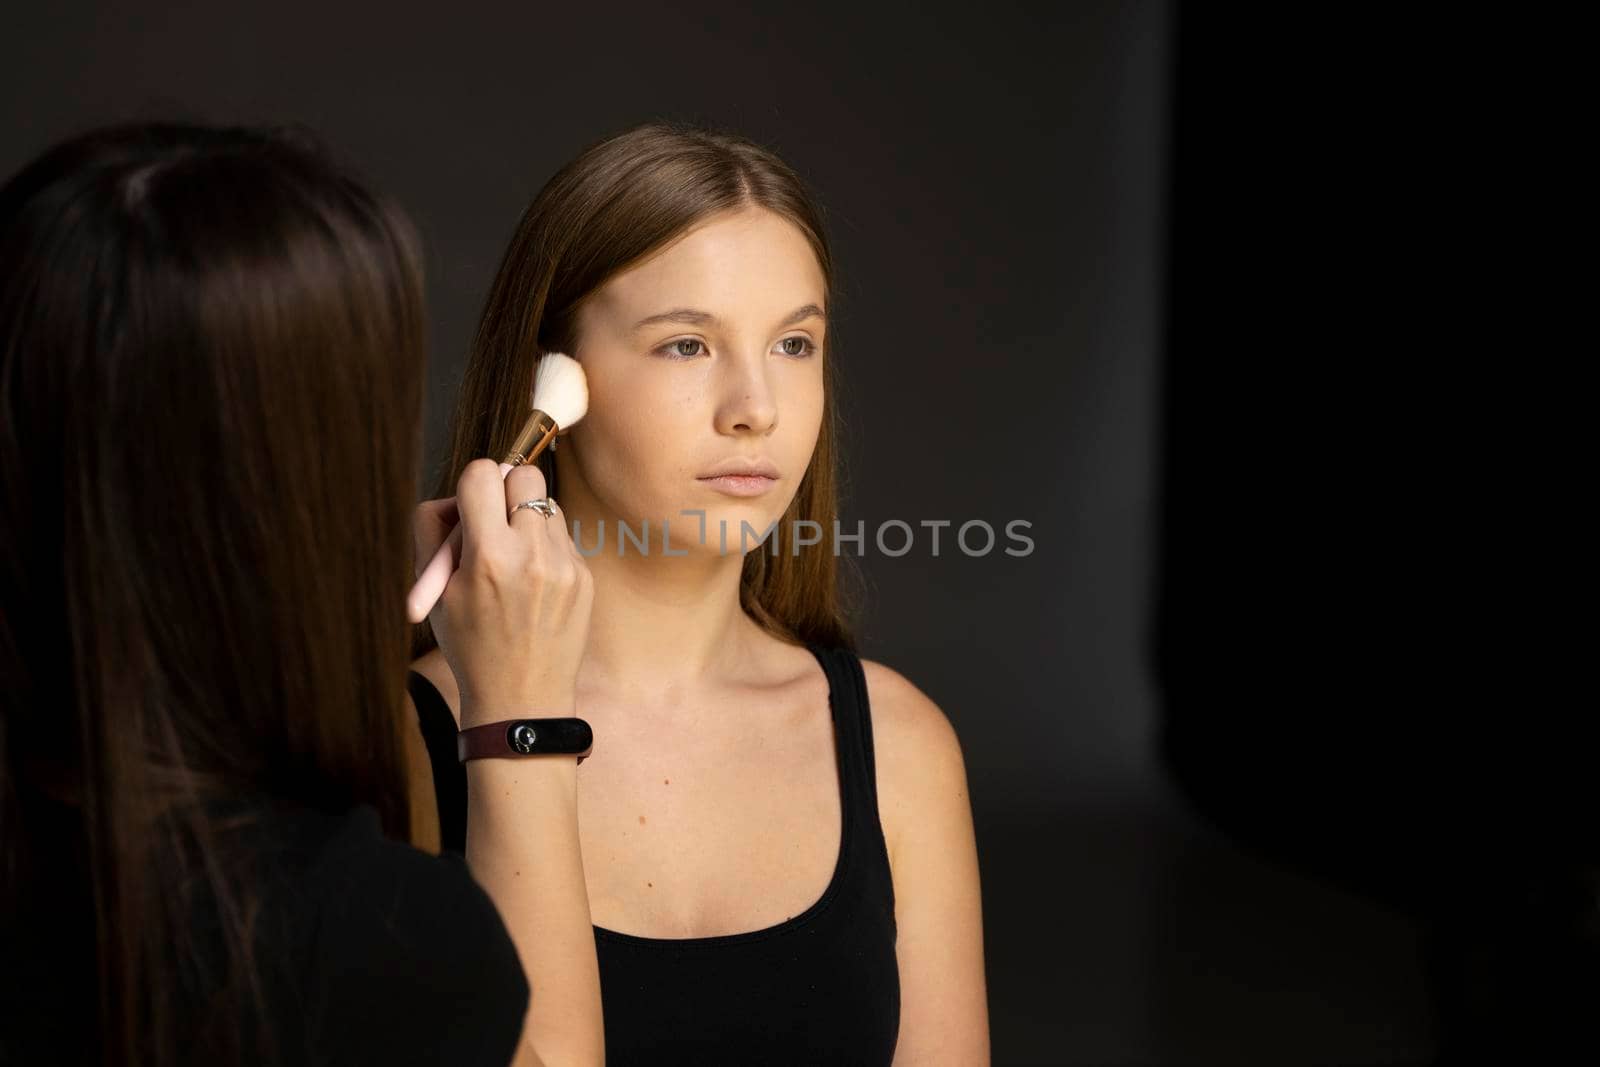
(560,399)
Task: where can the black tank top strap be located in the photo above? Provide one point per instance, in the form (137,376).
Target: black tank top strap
(449,776)
(852,717)
(848,702)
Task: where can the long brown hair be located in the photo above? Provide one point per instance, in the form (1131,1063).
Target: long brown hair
(211,348)
(617,202)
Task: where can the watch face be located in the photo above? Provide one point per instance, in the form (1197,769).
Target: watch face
(521,738)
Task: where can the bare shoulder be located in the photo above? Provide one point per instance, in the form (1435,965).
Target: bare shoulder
(908,727)
(927,821)
(920,766)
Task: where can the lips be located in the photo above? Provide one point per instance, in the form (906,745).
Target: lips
(735,485)
(756,467)
(742,476)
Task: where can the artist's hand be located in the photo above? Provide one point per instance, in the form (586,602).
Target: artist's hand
(514,618)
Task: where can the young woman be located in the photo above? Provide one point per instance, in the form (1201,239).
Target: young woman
(211,347)
(776,836)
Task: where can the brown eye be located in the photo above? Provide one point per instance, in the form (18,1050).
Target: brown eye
(805,349)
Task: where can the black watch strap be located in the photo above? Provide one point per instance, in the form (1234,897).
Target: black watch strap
(566,736)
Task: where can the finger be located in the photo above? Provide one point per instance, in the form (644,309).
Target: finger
(561,533)
(480,499)
(432,522)
(554,526)
(524,483)
(436,543)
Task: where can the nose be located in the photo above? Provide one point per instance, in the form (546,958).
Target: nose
(748,402)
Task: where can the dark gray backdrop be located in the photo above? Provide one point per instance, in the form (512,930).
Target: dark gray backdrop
(994,180)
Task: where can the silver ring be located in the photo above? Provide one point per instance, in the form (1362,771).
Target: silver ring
(542,506)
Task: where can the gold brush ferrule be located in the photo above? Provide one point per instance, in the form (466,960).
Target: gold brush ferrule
(537,432)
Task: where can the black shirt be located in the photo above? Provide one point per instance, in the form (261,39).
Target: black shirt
(368,951)
(820,987)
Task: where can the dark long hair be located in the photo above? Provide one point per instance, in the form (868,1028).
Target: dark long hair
(612,205)
(210,371)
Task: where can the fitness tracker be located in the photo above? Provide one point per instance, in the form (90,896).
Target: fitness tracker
(526,737)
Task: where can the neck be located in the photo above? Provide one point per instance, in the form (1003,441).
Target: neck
(663,626)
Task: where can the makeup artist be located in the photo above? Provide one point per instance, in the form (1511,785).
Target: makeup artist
(211,355)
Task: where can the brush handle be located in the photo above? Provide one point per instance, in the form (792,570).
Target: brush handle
(436,575)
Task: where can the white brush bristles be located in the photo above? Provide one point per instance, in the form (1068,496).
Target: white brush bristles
(560,388)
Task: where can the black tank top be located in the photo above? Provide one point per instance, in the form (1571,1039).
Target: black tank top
(820,987)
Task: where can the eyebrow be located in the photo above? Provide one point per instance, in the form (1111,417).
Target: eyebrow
(696,317)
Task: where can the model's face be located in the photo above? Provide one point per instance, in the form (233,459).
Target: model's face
(709,352)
